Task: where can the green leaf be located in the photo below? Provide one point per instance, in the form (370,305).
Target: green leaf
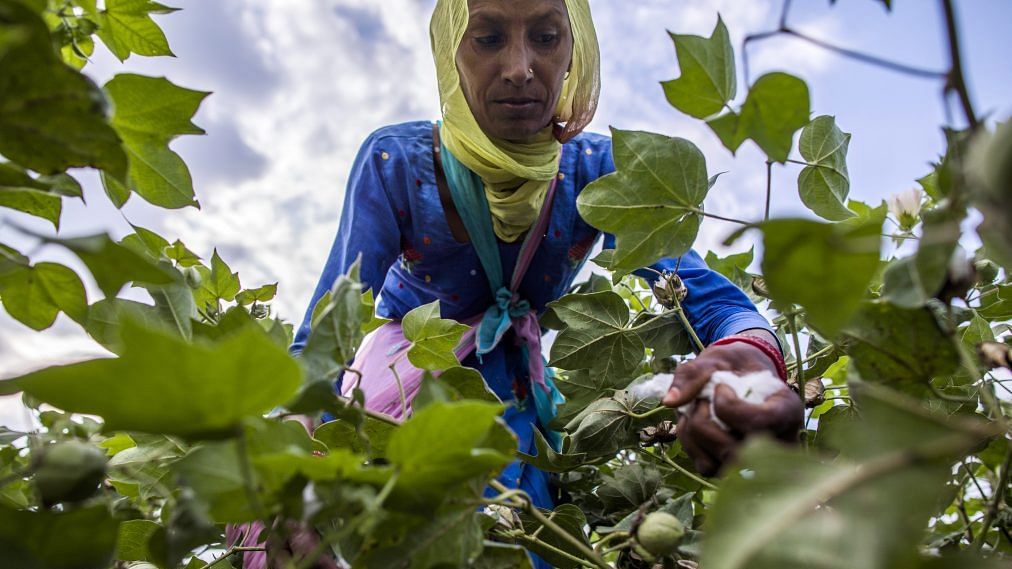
(214,472)
(826,268)
(132,543)
(595,336)
(652,203)
(664,334)
(825,183)
(106,316)
(997,305)
(427,470)
(370,321)
(336,329)
(495,555)
(374,437)
(550,461)
(126,27)
(707,81)
(113,265)
(35,295)
(432,338)
(777,105)
(33,196)
(145,242)
(83,538)
(608,425)
(629,487)
(894,345)
(264,293)
(220,283)
(902,284)
(149,113)
(734,267)
(174,304)
(988,168)
(162,384)
(793,509)
(466,383)
(450,538)
(51,117)
(939,240)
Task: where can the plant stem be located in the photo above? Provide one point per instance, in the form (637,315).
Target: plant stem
(812,357)
(622,545)
(997,498)
(769,163)
(800,371)
(672,464)
(530,508)
(632,293)
(400,391)
(955,78)
(831,487)
(247,475)
(688,326)
(231,551)
(531,540)
(973,478)
(609,538)
(867,58)
(699,211)
(647,414)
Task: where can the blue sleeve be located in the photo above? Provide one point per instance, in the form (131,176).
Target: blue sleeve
(715,307)
(368,228)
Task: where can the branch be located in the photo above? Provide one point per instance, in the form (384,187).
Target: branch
(996,500)
(955,78)
(530,508)
(769,188)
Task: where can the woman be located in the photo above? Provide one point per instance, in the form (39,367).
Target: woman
(518,82)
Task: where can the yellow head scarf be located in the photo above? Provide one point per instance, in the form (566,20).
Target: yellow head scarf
(503,165)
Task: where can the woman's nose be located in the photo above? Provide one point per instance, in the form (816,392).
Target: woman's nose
(518,67)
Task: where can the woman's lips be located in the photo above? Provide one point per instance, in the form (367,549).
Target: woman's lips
(518,104)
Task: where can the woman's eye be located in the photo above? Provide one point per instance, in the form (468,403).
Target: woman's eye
(487,40)
(547,37)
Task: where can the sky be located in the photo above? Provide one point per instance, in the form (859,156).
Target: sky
(298,85)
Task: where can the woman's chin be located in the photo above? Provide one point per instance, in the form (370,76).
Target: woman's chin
(519,130)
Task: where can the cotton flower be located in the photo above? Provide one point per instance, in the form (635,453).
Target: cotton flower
(906,207)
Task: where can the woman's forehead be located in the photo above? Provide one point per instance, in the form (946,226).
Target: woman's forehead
(508,9)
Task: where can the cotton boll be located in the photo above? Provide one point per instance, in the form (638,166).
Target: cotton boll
(753,388)
(656,386)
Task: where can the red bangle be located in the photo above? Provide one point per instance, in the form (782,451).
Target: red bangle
(769,349)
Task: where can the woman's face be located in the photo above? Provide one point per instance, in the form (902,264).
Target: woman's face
(512,61)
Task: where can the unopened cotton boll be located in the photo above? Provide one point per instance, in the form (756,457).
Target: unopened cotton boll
(753,388)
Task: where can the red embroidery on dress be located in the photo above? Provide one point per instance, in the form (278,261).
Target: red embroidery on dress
(580,249)
(410,257)
(519,389)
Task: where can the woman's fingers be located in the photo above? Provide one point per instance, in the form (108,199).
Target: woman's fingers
(781,413)
(704,441)
(689,380)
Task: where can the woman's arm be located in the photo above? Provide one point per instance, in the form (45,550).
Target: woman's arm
(368,228)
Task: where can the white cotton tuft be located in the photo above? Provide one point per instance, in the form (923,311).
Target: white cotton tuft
(753,388)
(656,386)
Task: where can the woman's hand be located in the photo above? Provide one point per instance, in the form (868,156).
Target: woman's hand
(710,446)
